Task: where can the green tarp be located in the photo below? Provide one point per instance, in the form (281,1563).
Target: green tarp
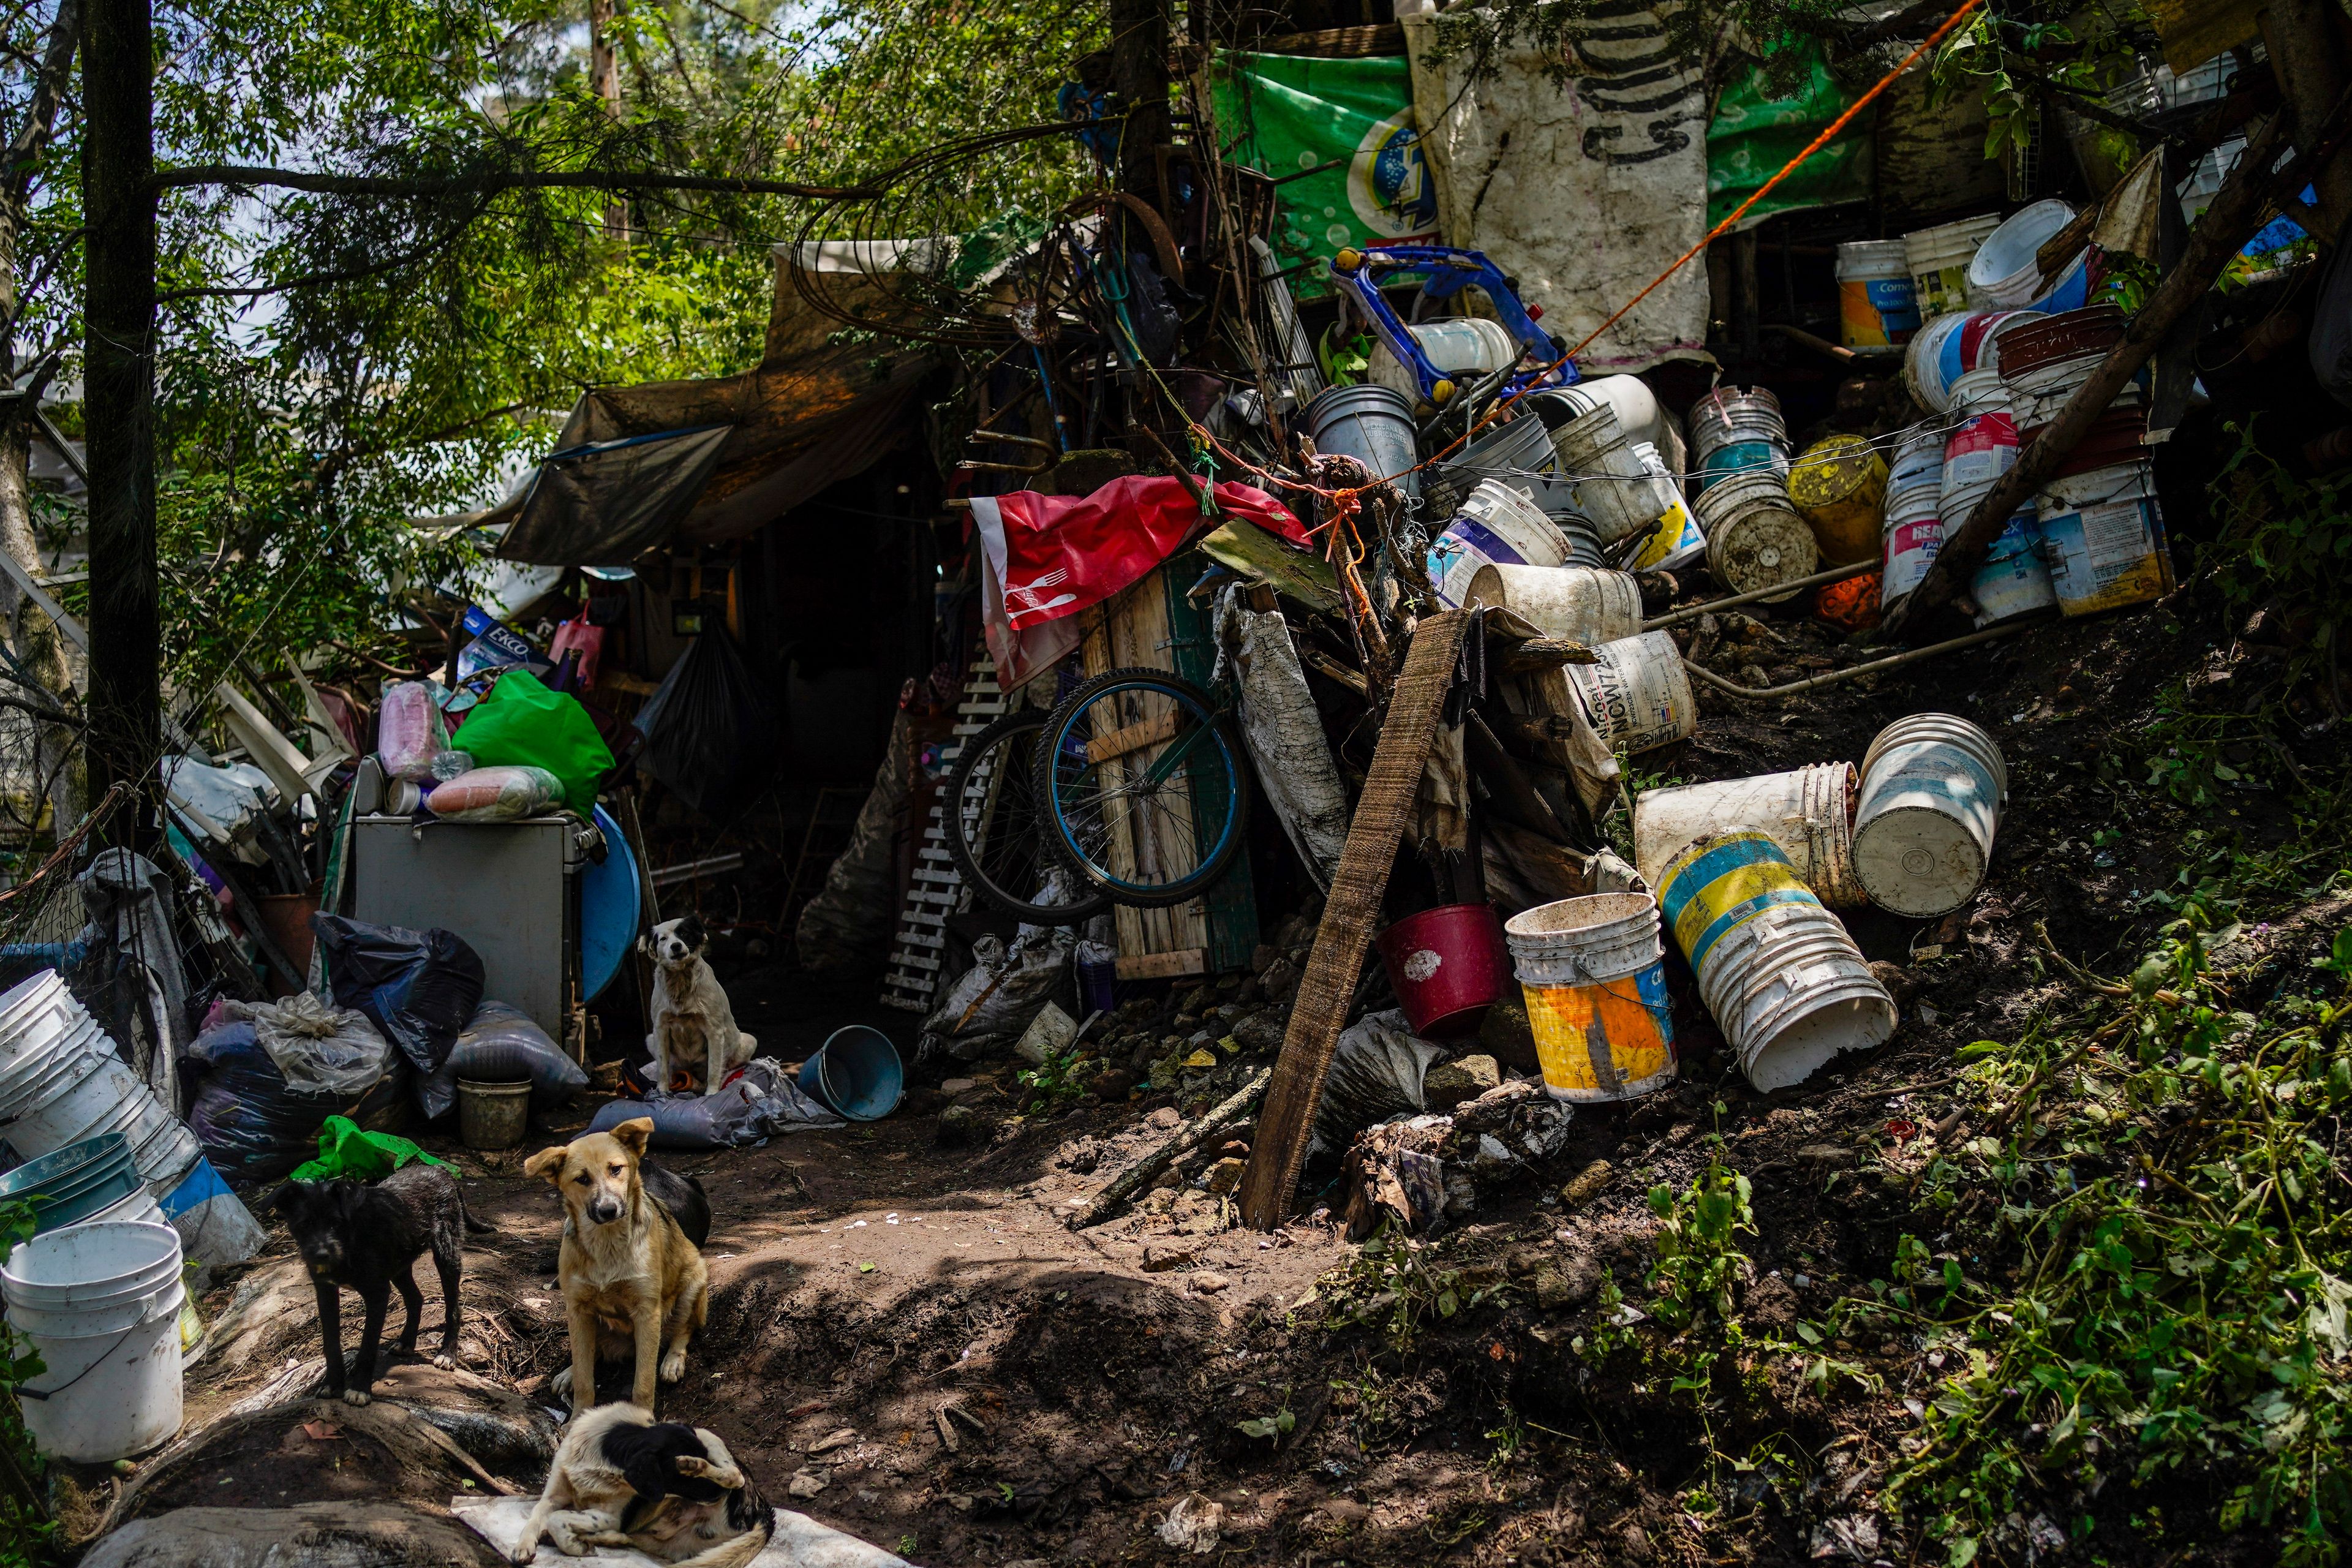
(1754,133)
(1283,113)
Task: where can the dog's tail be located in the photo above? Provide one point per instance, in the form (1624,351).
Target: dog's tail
(739,1551)
(473,1227)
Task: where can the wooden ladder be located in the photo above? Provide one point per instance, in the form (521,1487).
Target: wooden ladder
(936,891)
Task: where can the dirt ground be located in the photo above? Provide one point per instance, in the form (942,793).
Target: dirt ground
(907,1342)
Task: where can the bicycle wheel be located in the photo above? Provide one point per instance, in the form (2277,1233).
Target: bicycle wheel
(1140,787)
(991,821)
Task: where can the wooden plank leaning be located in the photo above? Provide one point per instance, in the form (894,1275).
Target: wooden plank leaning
(1349,912)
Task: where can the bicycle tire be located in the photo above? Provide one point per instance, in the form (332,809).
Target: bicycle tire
(1055,800)
(971,861)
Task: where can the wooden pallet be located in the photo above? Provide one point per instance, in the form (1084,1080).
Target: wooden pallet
(935,890)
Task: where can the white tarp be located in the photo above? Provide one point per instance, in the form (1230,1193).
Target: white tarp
(1584,191)
(800,1542)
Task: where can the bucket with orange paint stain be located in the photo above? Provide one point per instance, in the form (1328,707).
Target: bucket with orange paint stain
(1593,972)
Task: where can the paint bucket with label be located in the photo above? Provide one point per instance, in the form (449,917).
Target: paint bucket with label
(1808,812)
(1637,696)
(1755,540)
(1593,975)
(1932,787)
(1677,542)
(1372,424)
(1497,526)
(1446,966)
(1876,305)
(1980,448)
(1573,602)
(1614,487)
(2015,579)
(1839,487)
(1914,532)
(2105,537)
(1938,261)
(1784,981)
(1949,347)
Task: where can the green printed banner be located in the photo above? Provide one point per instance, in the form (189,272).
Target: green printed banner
(1754,135)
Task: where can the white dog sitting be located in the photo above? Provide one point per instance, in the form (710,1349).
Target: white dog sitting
(694,1028)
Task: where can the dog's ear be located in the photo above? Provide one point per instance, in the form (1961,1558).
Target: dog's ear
(645,944)
(287,1198)
(633,1134)
(690,932)
(548,1162)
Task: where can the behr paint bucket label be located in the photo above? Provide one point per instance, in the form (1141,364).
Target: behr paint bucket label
(1611,1040)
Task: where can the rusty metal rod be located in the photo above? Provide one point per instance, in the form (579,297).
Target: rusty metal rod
(1778,590)
(1813,682)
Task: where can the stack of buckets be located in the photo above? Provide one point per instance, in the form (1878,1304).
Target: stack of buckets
(1733,431)
(2102,536)
(1755,540)
(1808,812)
(1500,526)
(63,1082)
(1913,525)
(101,1303)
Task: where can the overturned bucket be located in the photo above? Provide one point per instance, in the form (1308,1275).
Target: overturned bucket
(1575,604)
(2015,580)
(1497,526)
(856,1072)
(1594,976)
(1637,695)
(1374,425)
(1839,487)
(1808,812)
(1755,540)
(1932,787)
(1614,488)
(1783,980)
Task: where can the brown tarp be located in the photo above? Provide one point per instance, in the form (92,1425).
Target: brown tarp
(816,411)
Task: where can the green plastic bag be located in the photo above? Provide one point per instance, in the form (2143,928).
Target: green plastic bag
(348,1151)
(523,723)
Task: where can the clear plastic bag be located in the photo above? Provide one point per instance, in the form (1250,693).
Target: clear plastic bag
(411,730)
(502,1045)
(319,1049)
(507,793)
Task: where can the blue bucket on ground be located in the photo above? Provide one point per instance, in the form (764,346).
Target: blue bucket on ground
(74,1183)
(857,1072)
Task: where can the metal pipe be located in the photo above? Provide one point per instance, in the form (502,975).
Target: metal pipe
(1812,682)
(1819,579)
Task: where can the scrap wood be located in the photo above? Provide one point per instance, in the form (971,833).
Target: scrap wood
(1258,556)
(1349,913)
(2235,213)
(1538,654)
(1178,1145)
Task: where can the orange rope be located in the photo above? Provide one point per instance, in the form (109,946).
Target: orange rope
(1787,168)
(1346,498)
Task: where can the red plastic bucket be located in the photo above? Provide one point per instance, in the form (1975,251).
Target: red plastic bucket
(1447,966)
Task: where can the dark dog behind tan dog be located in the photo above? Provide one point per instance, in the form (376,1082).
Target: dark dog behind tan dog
(634,1283)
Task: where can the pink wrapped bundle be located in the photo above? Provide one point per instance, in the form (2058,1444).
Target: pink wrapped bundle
(497,795)
(410,730)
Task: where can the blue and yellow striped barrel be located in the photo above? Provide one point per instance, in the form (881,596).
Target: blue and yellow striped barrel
(1719,884)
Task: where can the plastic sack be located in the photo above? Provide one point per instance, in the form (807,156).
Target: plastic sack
(254,1127)
(503,1046)
(318,1050)
(348,1151)
(410,728)
(757,1105)
(706,728)
(523,724)
(1376,1075)
(497,795)
(1284,733)
(418,988)
(995,1000)
(223,803)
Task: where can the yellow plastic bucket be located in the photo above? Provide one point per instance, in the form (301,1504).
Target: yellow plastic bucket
(1593,973)
(1839,487)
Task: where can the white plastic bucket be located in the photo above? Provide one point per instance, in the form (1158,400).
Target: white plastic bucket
(34,1015)
(1938,261)
(2005,271)
(1638,696)
(1732,432)
(1914,532)
(1950,730)
(1952,345)
(1876,304)
(101,1304)
(1614,488)
(1592,972)
(1781,977)
(1573,602)
(2037,394)
(139,1208)
(76,1097)
(1518,453)
(1980,448)
(1464,347)
(1808,812)
(1919,465)
(2015,580)
(2106,541)
(1497,526)
(1756,539)
(1924,823)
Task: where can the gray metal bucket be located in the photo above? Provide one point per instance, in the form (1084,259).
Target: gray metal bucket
(1372,424)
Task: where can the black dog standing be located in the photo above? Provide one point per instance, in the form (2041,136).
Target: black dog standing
(369,1238)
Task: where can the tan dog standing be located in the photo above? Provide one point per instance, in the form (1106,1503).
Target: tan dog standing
(631,1278)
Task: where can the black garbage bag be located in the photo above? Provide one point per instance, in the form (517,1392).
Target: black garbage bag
(502,1045)
(418,988)
(708,735)
(254,1125)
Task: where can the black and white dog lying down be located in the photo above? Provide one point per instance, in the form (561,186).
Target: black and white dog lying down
(674,1492)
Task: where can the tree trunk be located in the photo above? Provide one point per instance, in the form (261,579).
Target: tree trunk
(604,80)
(1139,74)
(2308,56)
(57,764)
(119,361)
